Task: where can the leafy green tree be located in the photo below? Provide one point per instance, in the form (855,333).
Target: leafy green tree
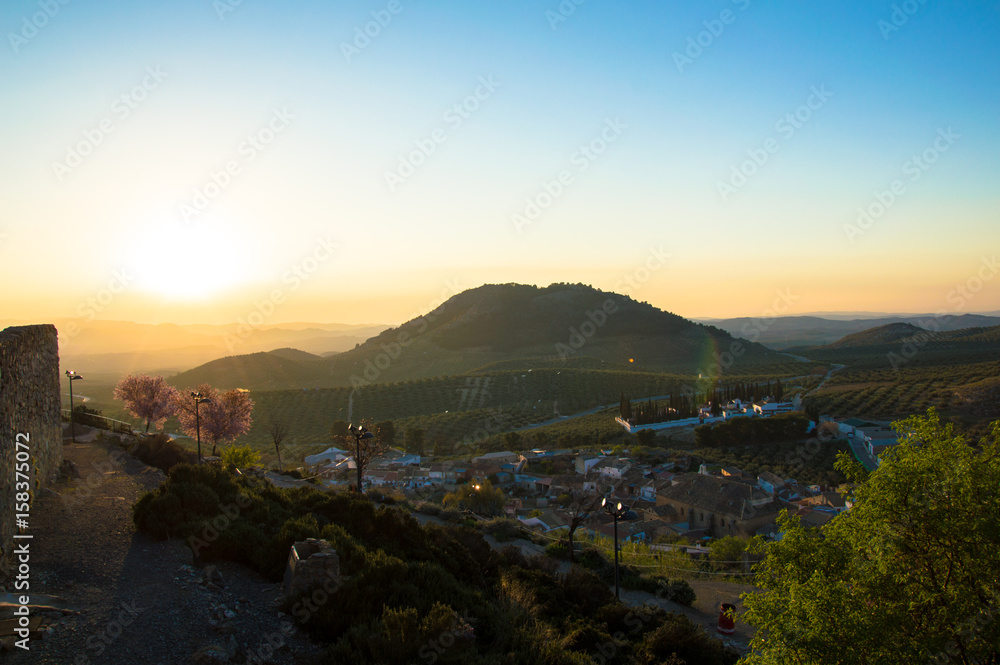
(480,497)
(727,551)
(907,575)
(645,437)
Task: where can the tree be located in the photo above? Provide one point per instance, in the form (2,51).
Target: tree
(224,418)
(582,504)
(907,575)
(645,437)
(779,390)
(442,446)
(512,440)
(277,428)
(479,496)
(388,430)
(366,450)
(727,551)
(147,397)
(414,440)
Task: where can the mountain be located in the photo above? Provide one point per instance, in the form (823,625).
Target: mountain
(887,334)
(901,344)
(512,326)
(789,332)
(113,348)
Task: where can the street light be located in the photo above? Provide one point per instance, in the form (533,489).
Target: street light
(198,399)
(73,376)
(359,433)
(617,512)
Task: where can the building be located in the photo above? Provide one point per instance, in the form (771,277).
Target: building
(719,506)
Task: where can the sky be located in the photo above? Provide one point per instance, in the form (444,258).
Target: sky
(195,161)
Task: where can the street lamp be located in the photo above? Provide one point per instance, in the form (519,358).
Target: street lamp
(73,376)
(359,433)
(617,512)
(198,399)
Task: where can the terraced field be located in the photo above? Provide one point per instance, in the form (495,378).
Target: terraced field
(885,394)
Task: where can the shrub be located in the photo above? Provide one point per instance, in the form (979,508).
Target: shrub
(558,550)
(591,557)
(239,456)
(501,528)
(162,452)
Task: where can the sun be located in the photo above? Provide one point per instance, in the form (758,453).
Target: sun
(190,262)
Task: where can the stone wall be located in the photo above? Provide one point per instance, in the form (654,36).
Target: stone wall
(29,405)
(312,563)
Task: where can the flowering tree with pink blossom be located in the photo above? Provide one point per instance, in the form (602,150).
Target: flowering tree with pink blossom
(225,417)
(147,397)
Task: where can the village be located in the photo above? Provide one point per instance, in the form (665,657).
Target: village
(676,500)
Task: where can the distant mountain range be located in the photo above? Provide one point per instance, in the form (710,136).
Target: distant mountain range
(113,348)
(507,325)
(902,344)
(789,332)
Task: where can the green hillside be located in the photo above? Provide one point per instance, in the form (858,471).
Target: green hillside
(513,327)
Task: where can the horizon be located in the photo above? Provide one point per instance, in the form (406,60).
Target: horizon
(188,162)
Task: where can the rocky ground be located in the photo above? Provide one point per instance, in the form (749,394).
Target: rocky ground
(131,600)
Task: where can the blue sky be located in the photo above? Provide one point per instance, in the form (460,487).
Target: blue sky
(880,93)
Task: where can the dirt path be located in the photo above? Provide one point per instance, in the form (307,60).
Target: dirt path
(139,601)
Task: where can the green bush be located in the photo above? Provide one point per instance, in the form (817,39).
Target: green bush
(408,589)
(558,550)
(241,457)
(502,528)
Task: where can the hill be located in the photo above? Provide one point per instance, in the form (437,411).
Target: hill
(514,327)
(898,345)
(788,332)
(887,334)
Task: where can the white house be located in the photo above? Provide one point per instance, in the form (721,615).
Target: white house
(328,455)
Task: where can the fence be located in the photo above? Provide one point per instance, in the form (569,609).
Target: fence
(100,422)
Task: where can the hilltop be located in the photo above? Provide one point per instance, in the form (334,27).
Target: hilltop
(887,334)
(513,326)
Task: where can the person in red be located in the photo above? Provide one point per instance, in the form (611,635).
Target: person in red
(727,619)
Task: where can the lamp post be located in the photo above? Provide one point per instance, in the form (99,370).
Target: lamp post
(198,399)
(73,376)
(359,433)
(617,512)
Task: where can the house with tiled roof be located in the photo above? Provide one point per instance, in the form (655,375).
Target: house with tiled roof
(719,506)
